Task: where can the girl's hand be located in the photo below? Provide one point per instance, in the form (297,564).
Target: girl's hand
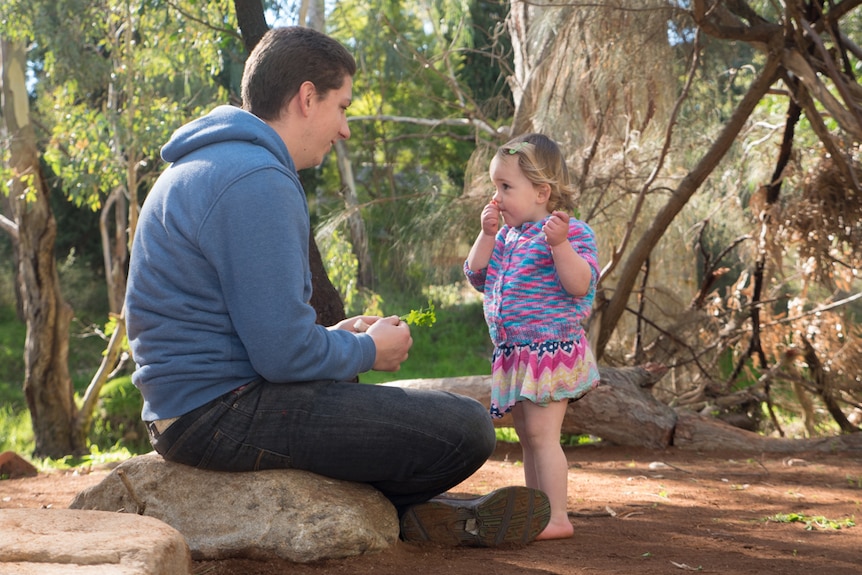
(491,219)
(557,228)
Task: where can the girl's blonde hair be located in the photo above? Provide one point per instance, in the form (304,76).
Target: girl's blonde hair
(542,162)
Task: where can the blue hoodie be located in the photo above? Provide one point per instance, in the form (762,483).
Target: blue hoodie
(219,280)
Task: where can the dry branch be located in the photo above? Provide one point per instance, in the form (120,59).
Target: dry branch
(621,411)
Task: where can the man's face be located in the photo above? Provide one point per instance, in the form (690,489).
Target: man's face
(329,123)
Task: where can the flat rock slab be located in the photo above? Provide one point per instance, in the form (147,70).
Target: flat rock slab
(55,541)
(278,513)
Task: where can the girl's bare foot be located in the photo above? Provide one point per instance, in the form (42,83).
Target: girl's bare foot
(557,530)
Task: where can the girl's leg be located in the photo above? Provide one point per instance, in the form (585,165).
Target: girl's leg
(545,461)
(530,477)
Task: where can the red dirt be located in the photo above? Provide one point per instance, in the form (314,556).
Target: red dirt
(634,510)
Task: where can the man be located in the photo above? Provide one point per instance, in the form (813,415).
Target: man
(234,371)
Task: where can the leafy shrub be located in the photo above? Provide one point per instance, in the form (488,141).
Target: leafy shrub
(117,420)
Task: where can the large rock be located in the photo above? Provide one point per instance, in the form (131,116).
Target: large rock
(288,514)
(13,466)
(62,541)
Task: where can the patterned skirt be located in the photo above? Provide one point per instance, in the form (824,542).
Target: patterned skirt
(541,372)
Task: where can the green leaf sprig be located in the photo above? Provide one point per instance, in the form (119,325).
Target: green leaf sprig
(422,317)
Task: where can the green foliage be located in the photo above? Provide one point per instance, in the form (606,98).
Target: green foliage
(457,345)
(12,334)
(16,431)
(411,60)
(117,82)
(341,265)
(95,457)
(424,317)
(509,435)
(83,287)
(118,419)
(812,522)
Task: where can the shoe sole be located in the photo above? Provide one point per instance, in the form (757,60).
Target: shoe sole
(511,515)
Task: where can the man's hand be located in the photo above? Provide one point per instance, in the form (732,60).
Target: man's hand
(393,340)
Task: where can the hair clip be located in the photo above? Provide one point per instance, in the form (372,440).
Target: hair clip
(518,147)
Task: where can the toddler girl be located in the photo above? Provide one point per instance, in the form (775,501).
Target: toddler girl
(537,268)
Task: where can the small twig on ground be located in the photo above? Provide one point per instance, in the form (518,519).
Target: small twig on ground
(141,505)
(658,464)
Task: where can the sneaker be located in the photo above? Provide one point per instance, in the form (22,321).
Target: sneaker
(511,515)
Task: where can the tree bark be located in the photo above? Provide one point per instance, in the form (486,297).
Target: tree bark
(251,21)
(47,384)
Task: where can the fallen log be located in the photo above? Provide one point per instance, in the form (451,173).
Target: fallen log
(621,411)
(617,410)
(701,433)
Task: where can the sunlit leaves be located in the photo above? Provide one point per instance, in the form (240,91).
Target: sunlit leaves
(118,81)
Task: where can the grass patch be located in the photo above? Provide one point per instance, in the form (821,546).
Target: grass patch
(95,457)
(12,336)
(457,344)
(812,522)
(16,430)
(507,434)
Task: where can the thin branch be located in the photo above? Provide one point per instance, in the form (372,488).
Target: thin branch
(231,32)
(832,72)
(796,63)
(720,23)
(802,96)
(432,123)
(9,226)
(816,310)
(467,104)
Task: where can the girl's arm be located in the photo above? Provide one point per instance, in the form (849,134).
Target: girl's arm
(480,254)
(574,271)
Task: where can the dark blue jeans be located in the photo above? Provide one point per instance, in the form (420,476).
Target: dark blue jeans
(411,445)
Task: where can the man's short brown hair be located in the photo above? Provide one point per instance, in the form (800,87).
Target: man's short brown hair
(283,60)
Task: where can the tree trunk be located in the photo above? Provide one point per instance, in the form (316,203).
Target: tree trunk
(325,299)
(621,412)
(47,385)
(251,21)
(355,223)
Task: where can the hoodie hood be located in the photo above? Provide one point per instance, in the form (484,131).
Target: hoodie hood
(225,124)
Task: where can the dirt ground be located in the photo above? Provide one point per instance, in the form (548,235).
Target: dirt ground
(634,510)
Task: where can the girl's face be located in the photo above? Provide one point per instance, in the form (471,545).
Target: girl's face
(517,198)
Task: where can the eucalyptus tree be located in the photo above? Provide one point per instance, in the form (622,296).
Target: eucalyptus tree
(116,83)
(107,93)
(47,384)
(725,132)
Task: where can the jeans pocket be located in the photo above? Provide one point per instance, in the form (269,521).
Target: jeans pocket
(227,454)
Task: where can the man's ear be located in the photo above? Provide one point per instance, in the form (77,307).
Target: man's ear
(306,96)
